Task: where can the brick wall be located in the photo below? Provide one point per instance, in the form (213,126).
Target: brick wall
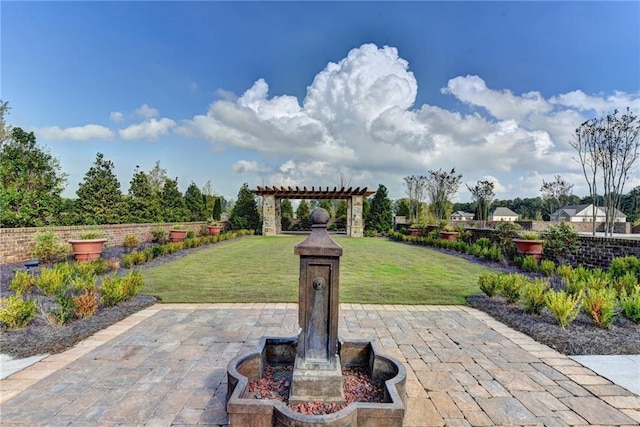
(15,243)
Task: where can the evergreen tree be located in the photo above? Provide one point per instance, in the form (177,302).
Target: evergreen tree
(380,215)
(217,209)
(245,211)
(143,203)
(99,196)
(303,213)
(326,205)
(173,205)
(403,207)
(286,209)
(30,181)
(195,203)
(341,215)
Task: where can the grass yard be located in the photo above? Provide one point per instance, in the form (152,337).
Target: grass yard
(264,269)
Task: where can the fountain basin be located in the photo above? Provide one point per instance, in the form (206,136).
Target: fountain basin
(250,412)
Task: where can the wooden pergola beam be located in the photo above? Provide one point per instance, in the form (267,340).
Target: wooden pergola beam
(313,194)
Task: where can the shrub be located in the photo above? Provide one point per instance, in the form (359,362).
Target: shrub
(86,304)
(64,312)
(622,265)
(595,282)
(559,241)
(48,248)
(547,267)
(82,283)
(117,289)
(190,234)
(157,251)
(534,296)
(160,235)
(630,304)
(127,260)
(511,286)
(529,235)
(626,283)
(22,282)
(489,283)
(563,306)
(600,304)
(17,312)
(130,242)
(51,281)
(505,232)
(494,253)
(91,234)
(530,264)
(483,242)
(565,271)
(113,264)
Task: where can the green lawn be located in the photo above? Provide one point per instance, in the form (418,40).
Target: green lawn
(264,269)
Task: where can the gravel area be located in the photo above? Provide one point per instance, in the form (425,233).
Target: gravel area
(582,337)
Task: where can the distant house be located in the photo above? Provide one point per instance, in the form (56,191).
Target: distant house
(461,216)
(584,213)
(503,214)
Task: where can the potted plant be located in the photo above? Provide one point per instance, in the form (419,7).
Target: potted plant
(177,233)
(529,243)
(447,232)
(214,228)
(89,245)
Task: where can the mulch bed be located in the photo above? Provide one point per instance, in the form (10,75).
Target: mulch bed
(275,384)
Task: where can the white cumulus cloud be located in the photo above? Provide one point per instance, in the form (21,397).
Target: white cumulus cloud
(76,133)
(146,111)
(116,116)
(359,117)
(149,129)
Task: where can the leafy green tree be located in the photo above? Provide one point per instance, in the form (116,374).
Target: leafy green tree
(217,209)
(303,213)
(326,205)
(157,177)
(403,207)
(441,186)
(143,203)
(173,204)
(482,193)
(286,214)
(31,181)
(195,203)
(245,211)
(380,216)
(99,196)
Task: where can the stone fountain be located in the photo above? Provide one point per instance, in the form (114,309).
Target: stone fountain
(317,354)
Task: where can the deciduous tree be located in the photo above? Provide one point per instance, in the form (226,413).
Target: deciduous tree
(441,186)
(555,194)
(482,193)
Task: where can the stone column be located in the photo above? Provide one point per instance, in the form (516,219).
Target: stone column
(349,222)
(355,215)
(278,216)
(269,215)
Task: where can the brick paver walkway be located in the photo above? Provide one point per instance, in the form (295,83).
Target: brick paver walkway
(166,365)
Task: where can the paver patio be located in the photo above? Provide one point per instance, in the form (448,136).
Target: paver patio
(166,365)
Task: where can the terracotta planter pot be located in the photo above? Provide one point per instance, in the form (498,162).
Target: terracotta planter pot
(414,232)
(87,250)
(449,235)
(177,235)
(214,230)
(529,247)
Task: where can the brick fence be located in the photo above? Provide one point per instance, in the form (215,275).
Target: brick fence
(15,243)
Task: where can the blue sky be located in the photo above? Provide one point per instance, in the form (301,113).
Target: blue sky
(298,93)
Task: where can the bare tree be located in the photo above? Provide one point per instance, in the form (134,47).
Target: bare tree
(619,150)
(415,187)
(441,186)
(555,193)
(607,148)
(482,193)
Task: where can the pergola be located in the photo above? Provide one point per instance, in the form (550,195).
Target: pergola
(271,197)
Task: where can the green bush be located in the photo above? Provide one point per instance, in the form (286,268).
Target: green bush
(530,264)
(160,235)
(127,260)
(489,283)
(565,271)
(600,304)
(630,303)
(626,283)
(511,286)
(17,312)
(65,310)
(622,265)
(52,281)
(483,242)
(564,307)
(534,296)
(48,248)
(559,241)
(82,283)
(22,282)
(130,242)
(116,289)
(547,267)
(157,251)
(190,234)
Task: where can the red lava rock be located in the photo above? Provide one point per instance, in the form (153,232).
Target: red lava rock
(276,381)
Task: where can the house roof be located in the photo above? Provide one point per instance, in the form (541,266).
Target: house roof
(574,210)
(462,213)
(503,212)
